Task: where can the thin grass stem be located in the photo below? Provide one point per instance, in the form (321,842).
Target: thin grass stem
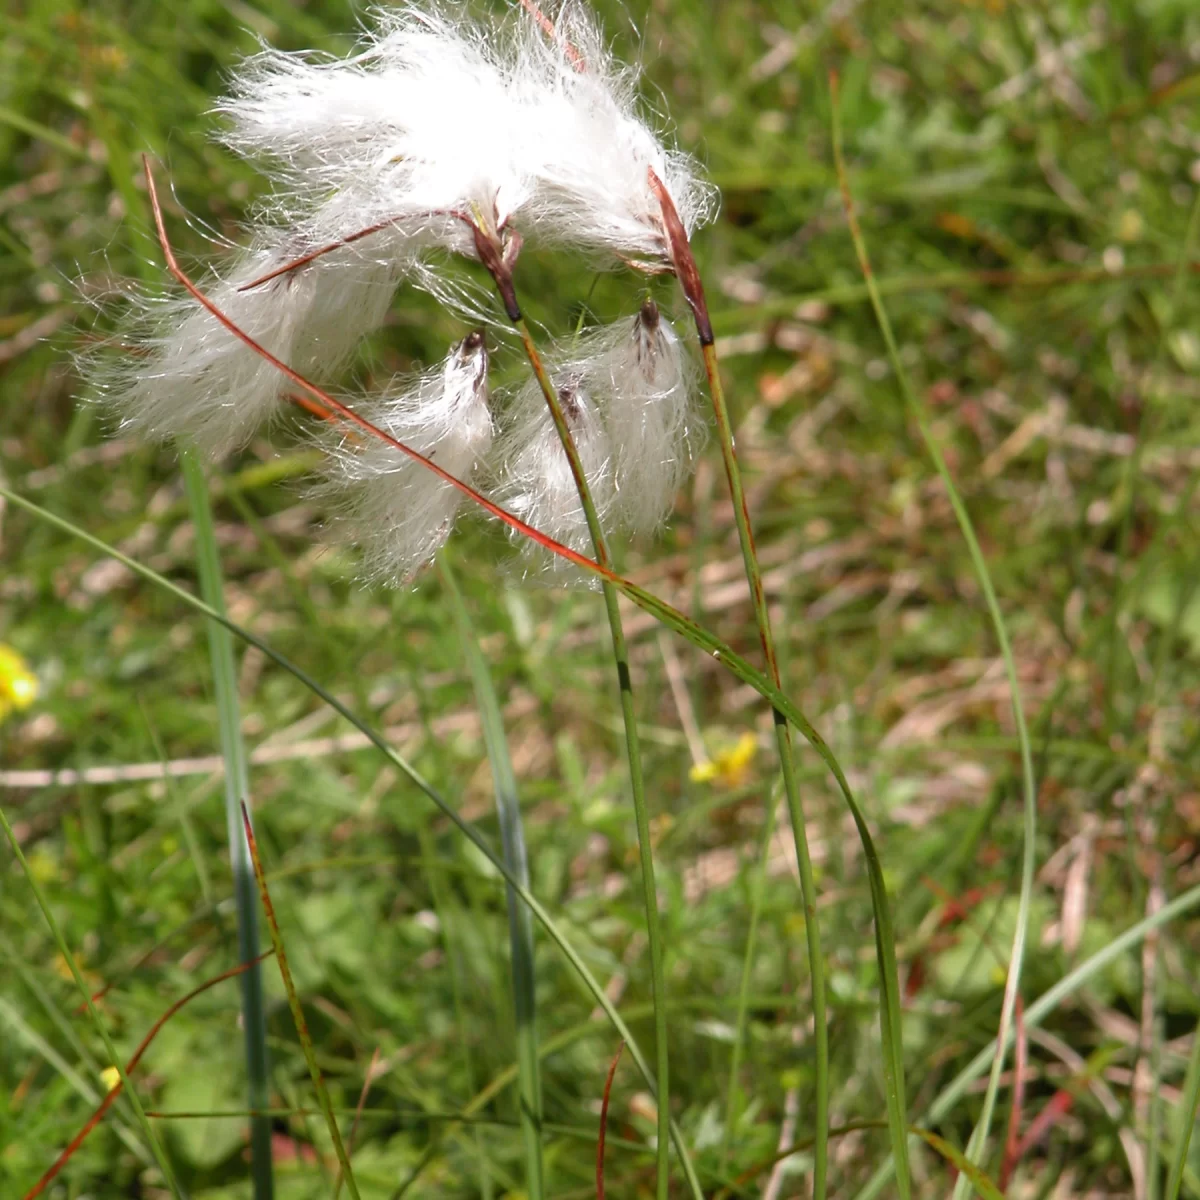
(692,284)
(978,1140)
(306,1042)
(616,627)
(791,788)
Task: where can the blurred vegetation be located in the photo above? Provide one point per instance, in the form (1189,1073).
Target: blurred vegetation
(1026,174)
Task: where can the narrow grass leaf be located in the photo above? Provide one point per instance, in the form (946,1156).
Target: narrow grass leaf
(110,1048)
(966,1169)
(306,1042)
(975,1146)
(237,792)
(520,923)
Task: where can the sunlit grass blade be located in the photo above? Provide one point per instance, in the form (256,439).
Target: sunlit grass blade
(233,750)
(346,1174)
(591,985)
(976,1145)
(1035,1014)
(520,924)
(114,1056)
(237,792)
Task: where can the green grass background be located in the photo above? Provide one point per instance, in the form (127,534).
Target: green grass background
(1025,175)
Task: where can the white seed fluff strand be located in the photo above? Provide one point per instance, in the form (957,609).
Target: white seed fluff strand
(537,483)
(645,381)
(395,509)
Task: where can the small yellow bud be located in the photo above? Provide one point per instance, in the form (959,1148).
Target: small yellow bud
(111,1078)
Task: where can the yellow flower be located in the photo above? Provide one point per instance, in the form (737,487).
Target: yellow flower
(18,684)
(731,766)
(110,1077)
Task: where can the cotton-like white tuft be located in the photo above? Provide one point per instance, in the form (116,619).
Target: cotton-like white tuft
(397,510)
(641,373)
(437,115)
(420,127)
(627,392)
(593,147)
(183,374)
(536,481)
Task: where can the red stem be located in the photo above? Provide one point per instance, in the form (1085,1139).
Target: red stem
(612,1070)
(110,1099)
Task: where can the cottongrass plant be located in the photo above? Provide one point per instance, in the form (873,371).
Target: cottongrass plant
(447,136)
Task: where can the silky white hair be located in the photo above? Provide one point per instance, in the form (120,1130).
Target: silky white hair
(381,163)
(438,114)
(641,375)
(394,508)
(626,391)
(174,370)
(592,145)
(536,480)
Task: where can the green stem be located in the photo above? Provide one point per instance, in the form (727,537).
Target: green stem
(756,902)
(1185,1121)
(636,779)
(237,792)
(520,922)
(978,1140)
(783,739)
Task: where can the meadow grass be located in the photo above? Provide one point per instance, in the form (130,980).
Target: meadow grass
(1025,178)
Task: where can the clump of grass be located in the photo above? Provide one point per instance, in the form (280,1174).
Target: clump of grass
(1027,220)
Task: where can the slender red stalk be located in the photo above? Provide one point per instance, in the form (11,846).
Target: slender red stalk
(298,1018)
(305,259)
(612,1070)
(349,240)
(1012,1142)
(547,27)
(110,1099)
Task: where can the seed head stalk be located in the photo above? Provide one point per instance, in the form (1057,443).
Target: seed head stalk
(688,274)
(632,744)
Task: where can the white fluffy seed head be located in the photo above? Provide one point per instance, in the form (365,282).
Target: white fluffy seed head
(536,481)
(437,115)
(592,145)
(418,126)
(181,374)
(397,510)
(647,383)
